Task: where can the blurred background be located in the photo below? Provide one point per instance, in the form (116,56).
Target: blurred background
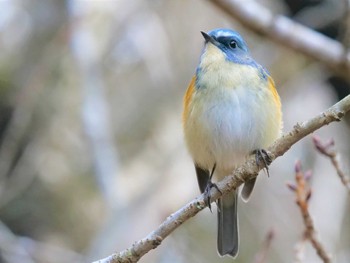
(92,155)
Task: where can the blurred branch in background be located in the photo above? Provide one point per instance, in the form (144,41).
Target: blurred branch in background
(111,66)
(17,135)
(325,149)
(299,250)
(303,192)
(21,177)
(40,173)
(25,250)
(289,33)
(243,173)
(10,247)
(87,50)
(345,38)
(262,255)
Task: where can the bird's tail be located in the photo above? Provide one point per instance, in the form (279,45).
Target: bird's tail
(228,225)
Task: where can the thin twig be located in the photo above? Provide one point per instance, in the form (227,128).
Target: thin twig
(14,248)
(11,250)
(243,173)
(24,107)
(324,148)
(346,27)
(261,256)
(99,130)
(303,194)
(299,250)
(288,33)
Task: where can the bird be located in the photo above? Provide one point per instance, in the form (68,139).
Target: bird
(231,110)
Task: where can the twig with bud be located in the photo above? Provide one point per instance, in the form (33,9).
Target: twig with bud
(325,148)
(303,193)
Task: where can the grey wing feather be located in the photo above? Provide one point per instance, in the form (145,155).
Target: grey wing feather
(248,189)
(202,178)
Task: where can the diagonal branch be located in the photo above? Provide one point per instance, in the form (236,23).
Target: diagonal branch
(243,173)
(288,33)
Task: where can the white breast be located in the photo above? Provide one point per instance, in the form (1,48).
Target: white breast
(231,115)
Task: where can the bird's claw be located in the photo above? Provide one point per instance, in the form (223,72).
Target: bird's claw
(207,195)
(262,158)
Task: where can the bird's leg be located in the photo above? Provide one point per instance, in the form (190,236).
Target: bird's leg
(209,186)
(262,158)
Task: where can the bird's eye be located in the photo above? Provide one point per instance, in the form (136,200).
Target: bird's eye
(232,44)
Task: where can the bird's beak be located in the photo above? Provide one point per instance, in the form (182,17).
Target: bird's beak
(209,39)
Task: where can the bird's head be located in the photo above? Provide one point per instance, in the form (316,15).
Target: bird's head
(227,42)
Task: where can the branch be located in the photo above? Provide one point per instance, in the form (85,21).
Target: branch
(288,33)
(303,194)
(346,27)
(299,250)
(324,148)
(261,256)
(99,131)
(243,173)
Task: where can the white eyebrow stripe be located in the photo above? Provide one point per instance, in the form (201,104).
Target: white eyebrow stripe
(223,33)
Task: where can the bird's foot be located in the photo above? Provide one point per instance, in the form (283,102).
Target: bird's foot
(207,195)
(262,158)
(208,188)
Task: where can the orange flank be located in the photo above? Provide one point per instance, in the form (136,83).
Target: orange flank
(276,97)
(188,97)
